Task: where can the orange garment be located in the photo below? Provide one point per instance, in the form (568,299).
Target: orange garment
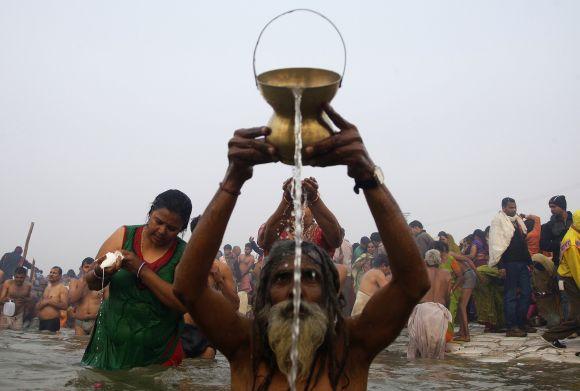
(63,318)
(533,237)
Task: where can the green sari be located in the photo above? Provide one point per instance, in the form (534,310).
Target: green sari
(456,294)
(133,328)
(488,295)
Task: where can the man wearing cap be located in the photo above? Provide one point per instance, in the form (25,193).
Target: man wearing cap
(554,230)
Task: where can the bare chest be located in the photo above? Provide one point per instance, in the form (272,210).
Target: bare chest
(354,378)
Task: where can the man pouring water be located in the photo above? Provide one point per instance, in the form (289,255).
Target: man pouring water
(334,352)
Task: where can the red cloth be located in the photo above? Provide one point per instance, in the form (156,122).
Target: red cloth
(158,264)
(317,237)
(177,356)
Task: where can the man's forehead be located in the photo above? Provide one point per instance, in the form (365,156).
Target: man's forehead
(287,263)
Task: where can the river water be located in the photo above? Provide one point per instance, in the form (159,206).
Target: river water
(33,361)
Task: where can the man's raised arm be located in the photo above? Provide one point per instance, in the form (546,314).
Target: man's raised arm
(211,311)
(388,310)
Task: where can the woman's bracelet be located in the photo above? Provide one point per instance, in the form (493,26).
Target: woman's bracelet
(140,267)
(315,200)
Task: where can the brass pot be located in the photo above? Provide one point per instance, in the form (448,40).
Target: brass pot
(318,88)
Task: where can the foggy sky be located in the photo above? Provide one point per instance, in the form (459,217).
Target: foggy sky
(105,104)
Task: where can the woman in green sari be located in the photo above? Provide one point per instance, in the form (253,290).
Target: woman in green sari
(489,298)
(140,321)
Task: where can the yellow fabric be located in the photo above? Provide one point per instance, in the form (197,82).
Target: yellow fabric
(570,251)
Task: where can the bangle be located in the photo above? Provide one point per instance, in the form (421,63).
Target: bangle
(235,193)
(290,202)
(315,200)
(140,267)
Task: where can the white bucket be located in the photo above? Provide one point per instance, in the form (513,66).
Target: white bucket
(9,308)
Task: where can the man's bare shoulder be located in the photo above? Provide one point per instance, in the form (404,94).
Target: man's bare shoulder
(373,274)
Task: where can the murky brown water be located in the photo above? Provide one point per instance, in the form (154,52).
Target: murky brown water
(34,361)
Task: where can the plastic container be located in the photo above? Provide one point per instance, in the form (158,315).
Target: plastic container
(9,308)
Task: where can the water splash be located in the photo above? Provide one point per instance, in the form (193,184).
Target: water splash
(298,212)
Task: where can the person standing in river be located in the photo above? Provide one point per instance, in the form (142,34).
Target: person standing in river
(428,322)
(334,352)
(85,301)
(18,291)
(53,301)
(140,322)
(371,282)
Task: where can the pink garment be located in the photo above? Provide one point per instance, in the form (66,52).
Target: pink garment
(427,327)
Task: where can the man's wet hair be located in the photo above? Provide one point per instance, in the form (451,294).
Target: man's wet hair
(87,261)
(20,270)
(228,247)
(58,268)
(375,237)
(441,247)
(416,224)
(18,250)
(194,222)
(175,201)
(71,273)
(327,354)
(380,260)
(365,240)
(506,201)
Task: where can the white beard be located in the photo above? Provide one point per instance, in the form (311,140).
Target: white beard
(313,327)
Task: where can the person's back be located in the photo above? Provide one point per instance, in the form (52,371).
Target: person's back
(440,283)
(428,322)
(371,282)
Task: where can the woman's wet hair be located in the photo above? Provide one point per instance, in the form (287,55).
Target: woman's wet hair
(174,201)
(332,303)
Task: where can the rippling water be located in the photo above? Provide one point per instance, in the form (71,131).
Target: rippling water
(34,361)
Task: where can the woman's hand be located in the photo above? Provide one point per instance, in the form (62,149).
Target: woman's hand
(131,262)
(310,187)
(109,271)
(245,150)
(287,189)
(343,148)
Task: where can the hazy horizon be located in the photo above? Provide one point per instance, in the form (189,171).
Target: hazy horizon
(107,104)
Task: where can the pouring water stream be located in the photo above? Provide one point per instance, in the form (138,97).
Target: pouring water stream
(298,213)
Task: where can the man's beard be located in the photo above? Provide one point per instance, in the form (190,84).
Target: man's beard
(313,327)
